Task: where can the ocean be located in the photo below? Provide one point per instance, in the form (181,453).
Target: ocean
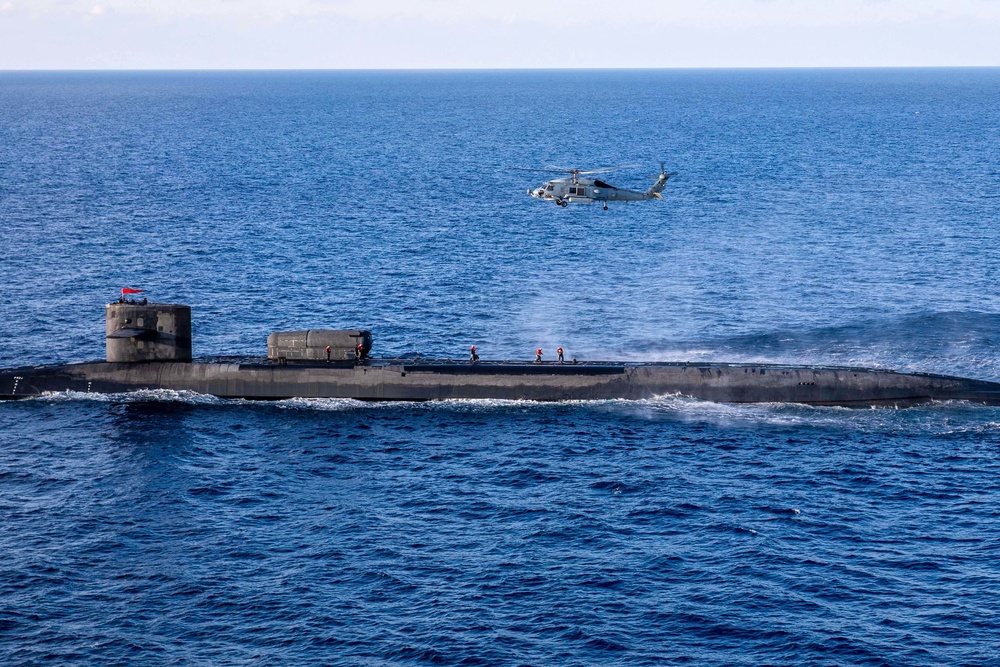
(817,216)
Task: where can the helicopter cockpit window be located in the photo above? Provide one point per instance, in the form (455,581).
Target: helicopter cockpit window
(549,188)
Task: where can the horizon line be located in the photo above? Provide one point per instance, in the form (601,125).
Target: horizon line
(498,69)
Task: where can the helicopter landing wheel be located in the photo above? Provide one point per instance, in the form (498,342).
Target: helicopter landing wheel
(605,207)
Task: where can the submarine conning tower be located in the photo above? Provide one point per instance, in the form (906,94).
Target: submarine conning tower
(147,331)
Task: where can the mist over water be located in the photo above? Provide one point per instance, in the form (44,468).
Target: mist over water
(834,216)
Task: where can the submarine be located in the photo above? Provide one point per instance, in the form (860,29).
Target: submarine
(149,347)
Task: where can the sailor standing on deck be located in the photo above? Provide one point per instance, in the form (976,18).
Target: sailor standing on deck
(327,354)
(359,351)
(538,356)
(559,351)
(473,357)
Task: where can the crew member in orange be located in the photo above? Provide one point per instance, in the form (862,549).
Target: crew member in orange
(538,356)
(359,352)
(559,351)
(473,357)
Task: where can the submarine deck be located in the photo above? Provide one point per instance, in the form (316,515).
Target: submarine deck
(487,367)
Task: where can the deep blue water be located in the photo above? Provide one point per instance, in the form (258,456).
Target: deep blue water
(831,216)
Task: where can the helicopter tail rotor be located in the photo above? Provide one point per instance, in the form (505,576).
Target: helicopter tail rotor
(661,180)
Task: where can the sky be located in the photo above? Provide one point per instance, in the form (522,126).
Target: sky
(457,34)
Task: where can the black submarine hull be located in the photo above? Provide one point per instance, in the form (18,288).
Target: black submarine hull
(408,380)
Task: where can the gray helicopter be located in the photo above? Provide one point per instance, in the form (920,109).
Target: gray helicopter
(576,190)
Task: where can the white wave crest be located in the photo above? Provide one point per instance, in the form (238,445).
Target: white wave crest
(140,396)
(671,407)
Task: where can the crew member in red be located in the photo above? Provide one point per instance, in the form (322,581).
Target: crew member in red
(359,352)
(559,351)
(538,356)
(327,354)
(473,357)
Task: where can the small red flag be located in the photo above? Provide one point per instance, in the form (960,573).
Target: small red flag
(129,290)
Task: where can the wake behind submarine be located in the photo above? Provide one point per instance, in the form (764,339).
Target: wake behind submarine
(149,347)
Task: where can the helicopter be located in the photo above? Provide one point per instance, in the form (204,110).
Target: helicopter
(576,190)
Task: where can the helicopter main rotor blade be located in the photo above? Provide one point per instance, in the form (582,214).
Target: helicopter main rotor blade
(557,167)
(546,171)
(606,169)
(553,169)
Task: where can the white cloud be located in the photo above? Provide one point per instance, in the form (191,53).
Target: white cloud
(720,13)
(514,33)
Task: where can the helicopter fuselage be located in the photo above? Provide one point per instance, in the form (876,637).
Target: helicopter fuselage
(576,190)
